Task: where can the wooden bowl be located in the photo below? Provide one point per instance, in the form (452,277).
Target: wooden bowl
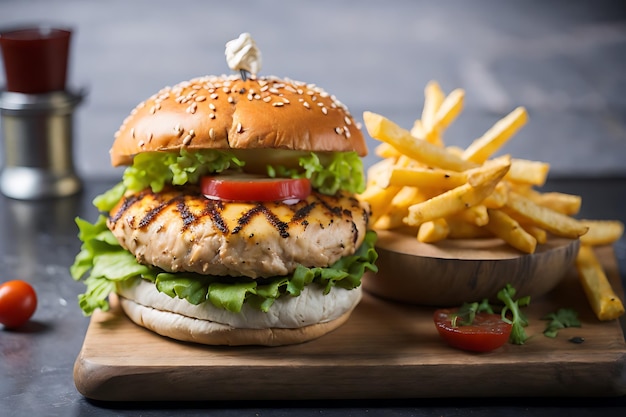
(452,272)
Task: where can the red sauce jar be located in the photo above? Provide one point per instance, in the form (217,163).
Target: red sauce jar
(35,58)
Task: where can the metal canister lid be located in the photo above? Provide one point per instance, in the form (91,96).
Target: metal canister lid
(56,101)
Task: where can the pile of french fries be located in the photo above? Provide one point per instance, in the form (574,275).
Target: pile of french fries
(444,192)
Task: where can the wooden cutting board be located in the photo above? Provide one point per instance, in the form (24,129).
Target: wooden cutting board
(385,350)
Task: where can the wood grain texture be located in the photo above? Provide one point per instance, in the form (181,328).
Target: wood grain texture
(385,350)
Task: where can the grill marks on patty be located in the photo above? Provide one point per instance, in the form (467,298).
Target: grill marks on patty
(179,229)
(214,208)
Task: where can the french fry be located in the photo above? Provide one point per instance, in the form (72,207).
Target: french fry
(381,128)
(554,222)
(604,302)
(424,177)
(484,172)
(498,198)
(450,109)
(509,230)
(602,232)
(377,173)
(460,229)
(528,172)
(455,150)
(399,207)
(457,199)
(538,233)
(378,199)
(385,150)
(445,115)
(485,146)
(433,98)
(433,231)
(563,203)
(477,215)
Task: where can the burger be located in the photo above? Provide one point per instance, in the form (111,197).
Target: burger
(236,221)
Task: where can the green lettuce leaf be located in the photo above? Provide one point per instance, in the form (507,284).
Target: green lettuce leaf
(157,169)
(344,172)
(102,263)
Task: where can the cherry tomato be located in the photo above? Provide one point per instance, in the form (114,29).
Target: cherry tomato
(18,302)
(245,187)
(487,332)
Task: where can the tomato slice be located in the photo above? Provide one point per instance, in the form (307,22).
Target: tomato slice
(486,333)
(246,187)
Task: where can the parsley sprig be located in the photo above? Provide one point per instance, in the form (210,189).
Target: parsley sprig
(518,319)
(561,319)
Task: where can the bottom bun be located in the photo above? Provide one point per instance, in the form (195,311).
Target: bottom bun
(177,319)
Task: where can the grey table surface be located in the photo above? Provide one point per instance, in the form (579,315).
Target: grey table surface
(564,60)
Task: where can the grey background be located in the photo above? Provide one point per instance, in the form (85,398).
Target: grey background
(564,60)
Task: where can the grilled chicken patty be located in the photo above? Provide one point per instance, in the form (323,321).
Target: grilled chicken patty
(178,229)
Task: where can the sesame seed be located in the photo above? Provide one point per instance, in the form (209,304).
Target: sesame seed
(346,131)
(239,128)
(187,139)
(211,115)
(231,99)
(306,104)
(285,100)
(200,98)
(267,99)
(212,133)
(338,130)
(324,110)
(212,106)
(278,104)
(274,91)
(141,144)
(257,96)
(132,132)
(214,96)
(348,121)
(226,90)
(152,110)
(250,97)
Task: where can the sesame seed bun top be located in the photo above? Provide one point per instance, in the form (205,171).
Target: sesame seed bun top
(227,112)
